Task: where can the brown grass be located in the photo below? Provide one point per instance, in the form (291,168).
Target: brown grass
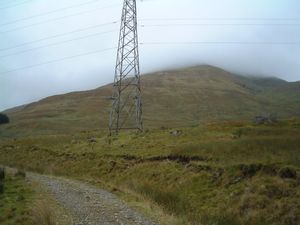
(42,214)
(207,175)
(170,99)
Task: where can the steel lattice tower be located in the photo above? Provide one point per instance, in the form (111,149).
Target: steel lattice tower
(126,112)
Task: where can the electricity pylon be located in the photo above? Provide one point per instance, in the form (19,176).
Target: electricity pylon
(126,112)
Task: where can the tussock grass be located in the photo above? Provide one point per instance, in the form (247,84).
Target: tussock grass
(42,214)
(231,173)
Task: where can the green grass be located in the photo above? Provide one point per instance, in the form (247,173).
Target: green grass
(231,173)
(15,202)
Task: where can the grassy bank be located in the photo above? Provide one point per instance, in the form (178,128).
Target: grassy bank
(223,173)
(15,202)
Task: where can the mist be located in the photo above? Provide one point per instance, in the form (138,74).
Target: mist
(246,37)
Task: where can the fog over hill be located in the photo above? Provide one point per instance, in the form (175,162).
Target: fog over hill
(172,98)
(251,37)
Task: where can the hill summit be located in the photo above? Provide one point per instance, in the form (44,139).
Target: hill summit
(172,98)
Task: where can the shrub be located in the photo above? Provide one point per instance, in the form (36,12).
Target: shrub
(3,118)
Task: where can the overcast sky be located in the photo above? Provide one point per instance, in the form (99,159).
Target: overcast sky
(40,31)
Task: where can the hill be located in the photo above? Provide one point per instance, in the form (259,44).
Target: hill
(171,99)
(217,168)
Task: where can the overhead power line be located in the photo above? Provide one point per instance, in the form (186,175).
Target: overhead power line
(49,12)
(218,24)
(23,3)
(55,19)
(220,43)
(57,43)
(57,60)
(219,19)
(58,35)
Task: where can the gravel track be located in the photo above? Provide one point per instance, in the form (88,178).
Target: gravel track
(89,205)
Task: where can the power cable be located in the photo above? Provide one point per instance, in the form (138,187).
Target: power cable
(216,24)
(23,3)
(56,43)
(58,35)
(220,43)
(48,13)
(218,19)
(55,19)
(57,60)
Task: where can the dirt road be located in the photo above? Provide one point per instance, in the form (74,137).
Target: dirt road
(87,204)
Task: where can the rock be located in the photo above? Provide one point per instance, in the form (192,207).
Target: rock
(261,120)
(176,132)
(265,119)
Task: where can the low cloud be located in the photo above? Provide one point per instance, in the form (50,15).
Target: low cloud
(90,71)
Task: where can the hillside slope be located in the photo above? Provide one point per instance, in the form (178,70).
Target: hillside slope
(172,98)
(230,173)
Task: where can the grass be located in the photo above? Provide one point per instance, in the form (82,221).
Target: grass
(176,98)
(43,214)
(24,203)
(46,210)
(230,173)
(15,202)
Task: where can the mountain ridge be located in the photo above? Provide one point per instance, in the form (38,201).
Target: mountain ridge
(172,98)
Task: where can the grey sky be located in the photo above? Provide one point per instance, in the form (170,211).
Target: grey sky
(91,71)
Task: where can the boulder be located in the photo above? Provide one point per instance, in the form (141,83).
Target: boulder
(176,132)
